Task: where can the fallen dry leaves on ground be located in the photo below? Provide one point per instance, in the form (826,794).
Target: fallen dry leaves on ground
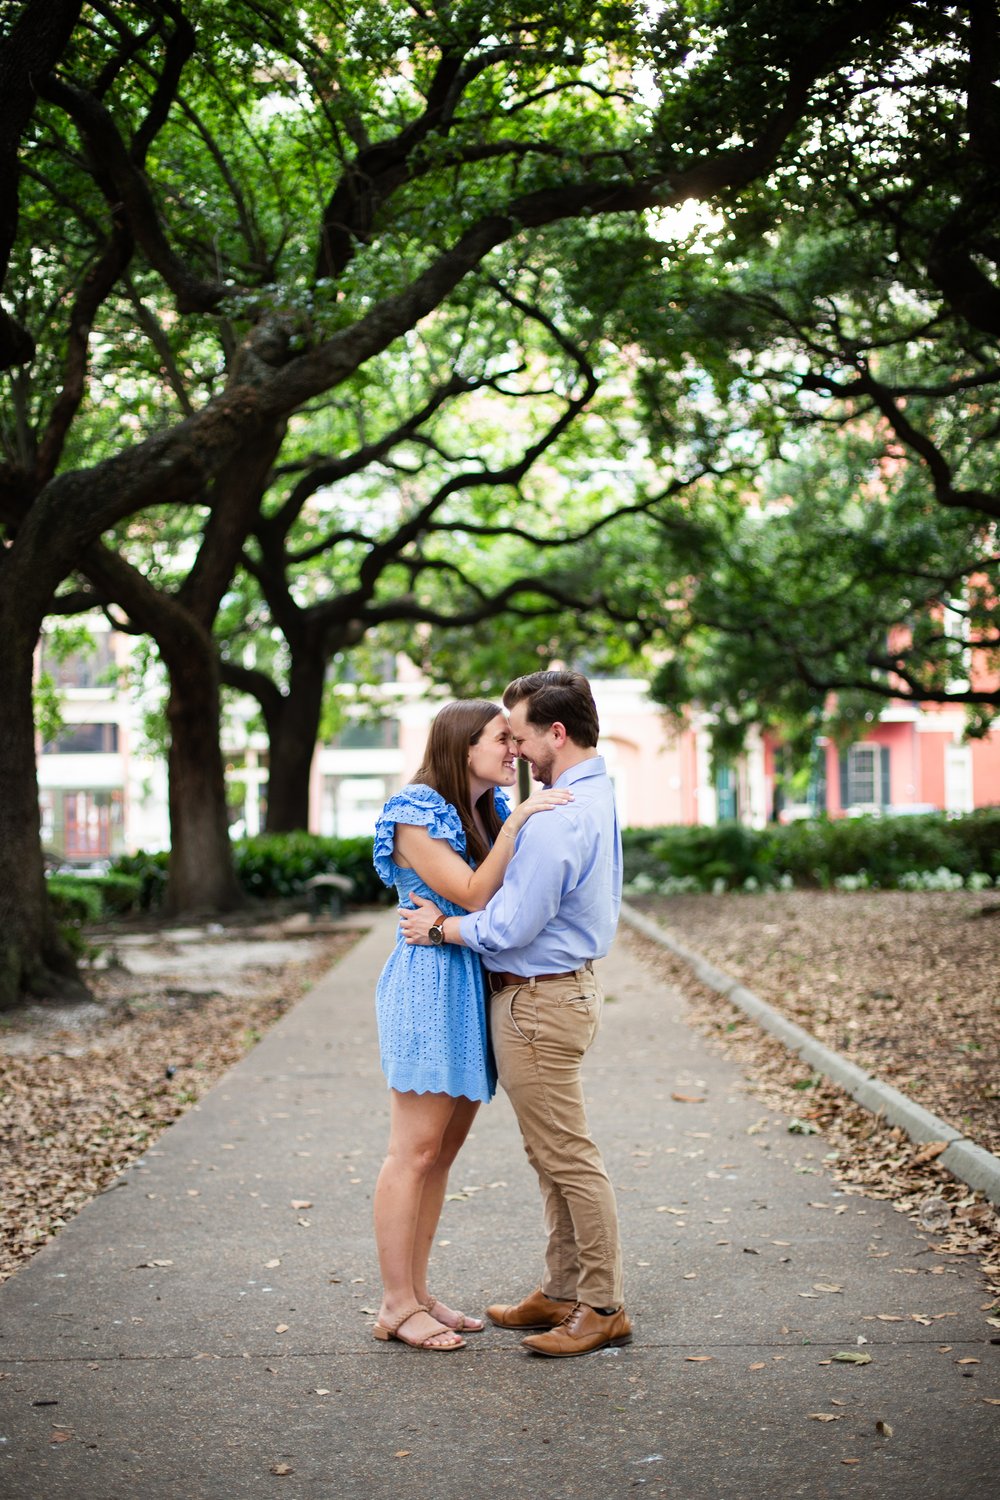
(86,1089)
(904,984)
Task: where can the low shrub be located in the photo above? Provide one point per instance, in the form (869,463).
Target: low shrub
(150,870)
(928,852)
(979,835)
(269,866)
(280,864)
(78,900)
(74,900)
(119,892)
(639,840)
(703,857)
(932,880)
(818,852)
(89,898)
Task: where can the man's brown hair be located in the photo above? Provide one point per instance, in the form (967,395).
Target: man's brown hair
(558,697)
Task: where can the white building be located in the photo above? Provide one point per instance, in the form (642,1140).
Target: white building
(100,794)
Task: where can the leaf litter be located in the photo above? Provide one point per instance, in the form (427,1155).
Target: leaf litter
(85,1090)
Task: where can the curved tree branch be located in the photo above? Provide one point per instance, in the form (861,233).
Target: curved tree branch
(27,54)
(954,261)
(128,184)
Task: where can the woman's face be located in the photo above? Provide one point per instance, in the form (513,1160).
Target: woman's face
(491,758)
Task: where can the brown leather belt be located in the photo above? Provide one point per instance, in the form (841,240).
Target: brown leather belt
(500,981)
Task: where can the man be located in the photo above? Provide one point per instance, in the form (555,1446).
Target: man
(539,935)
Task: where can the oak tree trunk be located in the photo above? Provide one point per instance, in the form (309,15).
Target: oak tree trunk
(293,730)
(202,878)
(34,958)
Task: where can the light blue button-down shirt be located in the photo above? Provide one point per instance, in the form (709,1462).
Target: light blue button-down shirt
(559,903)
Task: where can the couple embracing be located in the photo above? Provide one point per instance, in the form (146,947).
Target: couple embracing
(531,897)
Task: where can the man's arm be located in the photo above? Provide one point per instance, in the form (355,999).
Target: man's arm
(417,924)
(542,870)
(543,867)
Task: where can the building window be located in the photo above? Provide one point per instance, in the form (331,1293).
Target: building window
(956,627)
(958,794)
(864,776)
(84,739)
(47,817)
(351,804)
(82,825)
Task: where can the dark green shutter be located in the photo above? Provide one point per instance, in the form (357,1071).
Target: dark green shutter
(884,760)
(842,757)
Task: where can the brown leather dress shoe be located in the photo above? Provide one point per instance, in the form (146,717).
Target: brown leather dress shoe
(583,1331)
(534,1311)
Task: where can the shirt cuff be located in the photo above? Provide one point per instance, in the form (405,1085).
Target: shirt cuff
(467,927)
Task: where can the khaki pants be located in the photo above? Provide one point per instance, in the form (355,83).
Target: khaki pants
(541,1031)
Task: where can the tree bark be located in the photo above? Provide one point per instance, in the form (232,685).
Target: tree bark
(28,51)
(34,959)
(202,877)
(294,730)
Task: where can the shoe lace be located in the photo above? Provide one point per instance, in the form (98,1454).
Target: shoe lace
(570,1315)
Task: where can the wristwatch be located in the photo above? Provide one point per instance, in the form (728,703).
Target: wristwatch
(435,934)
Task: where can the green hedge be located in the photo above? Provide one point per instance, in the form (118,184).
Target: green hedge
(74,900)
(269,866)
(79,900)
(816,852)
(89,898)
(150,870)
(279,864)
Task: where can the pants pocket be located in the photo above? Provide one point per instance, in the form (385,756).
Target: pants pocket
(523,1014)
(585,1004)
(575,1019)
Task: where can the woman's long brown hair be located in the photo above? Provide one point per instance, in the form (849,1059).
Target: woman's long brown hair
(445,767)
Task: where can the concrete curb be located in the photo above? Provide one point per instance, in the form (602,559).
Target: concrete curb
(963,1158)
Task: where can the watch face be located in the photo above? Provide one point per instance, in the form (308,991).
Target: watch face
(436,935)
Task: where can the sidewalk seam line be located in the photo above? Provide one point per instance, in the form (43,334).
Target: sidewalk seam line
(112,1361)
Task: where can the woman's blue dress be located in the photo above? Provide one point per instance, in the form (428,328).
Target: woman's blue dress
(430,1002)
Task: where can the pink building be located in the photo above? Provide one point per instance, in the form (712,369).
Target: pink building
(915,758)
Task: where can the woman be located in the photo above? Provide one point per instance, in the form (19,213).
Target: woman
(448,836)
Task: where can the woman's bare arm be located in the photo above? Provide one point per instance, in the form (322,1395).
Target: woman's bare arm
(447,873)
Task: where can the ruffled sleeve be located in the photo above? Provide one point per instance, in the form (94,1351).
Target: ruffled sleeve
(424,807)
(501,804)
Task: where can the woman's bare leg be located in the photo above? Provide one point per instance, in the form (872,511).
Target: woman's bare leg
(435,1188)
(418,1126)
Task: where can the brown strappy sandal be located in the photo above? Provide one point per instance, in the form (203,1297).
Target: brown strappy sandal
(387,1331)
(465,1324)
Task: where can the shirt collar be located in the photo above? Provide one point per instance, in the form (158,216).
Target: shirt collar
(593,766)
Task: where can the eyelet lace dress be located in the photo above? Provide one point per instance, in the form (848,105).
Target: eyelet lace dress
(430,1002)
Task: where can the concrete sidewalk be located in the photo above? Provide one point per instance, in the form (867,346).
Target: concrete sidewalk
(202,1331)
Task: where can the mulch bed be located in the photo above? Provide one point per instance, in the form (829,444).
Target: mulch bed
(904,984)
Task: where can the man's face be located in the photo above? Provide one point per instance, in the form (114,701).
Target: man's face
(533,744)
